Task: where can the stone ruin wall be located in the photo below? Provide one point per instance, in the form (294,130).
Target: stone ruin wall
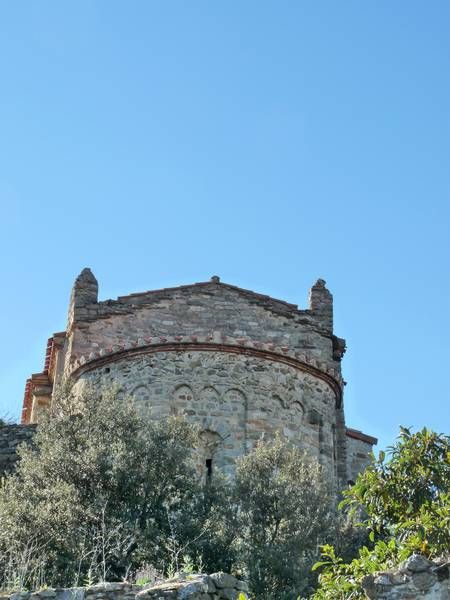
(11,436)
(417,578)
(359,452)
(217,586)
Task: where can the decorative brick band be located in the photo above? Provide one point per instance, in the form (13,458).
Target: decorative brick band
(245,347)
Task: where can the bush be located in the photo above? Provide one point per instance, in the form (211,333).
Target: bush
(284,510)
(105,494)
(404,501)
(100,492)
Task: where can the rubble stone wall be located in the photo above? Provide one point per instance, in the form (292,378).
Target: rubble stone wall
(416,578)
(234,399)
(11,436)
(359,452)
(218,586)
(200,310)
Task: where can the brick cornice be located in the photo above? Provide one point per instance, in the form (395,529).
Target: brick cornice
(95,360)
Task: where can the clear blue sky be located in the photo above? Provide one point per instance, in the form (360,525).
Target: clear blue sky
(270,143)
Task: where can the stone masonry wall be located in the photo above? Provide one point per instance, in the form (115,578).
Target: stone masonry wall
(234,399)
(201,310)
(359,450)
(218,586)
(241,365)
(234,396)
(11,436)
(416,578)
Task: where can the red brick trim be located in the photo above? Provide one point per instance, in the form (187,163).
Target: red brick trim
(26,406)
(202,347)
(37,379)
(42,378)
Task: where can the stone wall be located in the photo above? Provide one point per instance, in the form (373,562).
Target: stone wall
(11,436)
(416,578)
(218,586)
(210,308)
(234,399)
(239,364)
(359,452)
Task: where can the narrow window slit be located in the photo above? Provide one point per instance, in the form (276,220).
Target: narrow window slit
(208,468)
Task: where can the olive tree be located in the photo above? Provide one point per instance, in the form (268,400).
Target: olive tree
(284,511)
(100,491)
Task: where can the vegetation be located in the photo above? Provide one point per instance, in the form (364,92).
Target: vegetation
(285,509)
(100,492)
(404,501)
(105,494)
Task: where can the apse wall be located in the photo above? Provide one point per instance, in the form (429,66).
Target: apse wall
(234,399)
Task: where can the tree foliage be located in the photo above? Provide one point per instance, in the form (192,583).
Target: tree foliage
(105,493)
(100,491)
(285,509)
(403,499)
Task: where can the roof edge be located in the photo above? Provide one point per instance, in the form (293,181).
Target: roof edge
(200,284)
(359,435)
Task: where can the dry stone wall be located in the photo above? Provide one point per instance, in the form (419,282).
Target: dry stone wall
(416,578)
(11,436)
(218,586)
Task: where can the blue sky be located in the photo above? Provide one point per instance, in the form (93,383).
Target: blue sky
(270,143)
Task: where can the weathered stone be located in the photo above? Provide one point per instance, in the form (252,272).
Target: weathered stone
(416,563)
(239,364)
(11,436)
(420,581)
(182,587)
(223,580)
(191,587)
(229,593)
(20,596)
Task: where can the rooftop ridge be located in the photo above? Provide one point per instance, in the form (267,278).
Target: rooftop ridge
(236,288)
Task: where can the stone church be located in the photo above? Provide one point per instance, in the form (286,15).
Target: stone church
(239,364)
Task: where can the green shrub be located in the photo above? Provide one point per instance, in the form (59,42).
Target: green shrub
(404,501)
(100,492)
(284,511)
(106,494)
